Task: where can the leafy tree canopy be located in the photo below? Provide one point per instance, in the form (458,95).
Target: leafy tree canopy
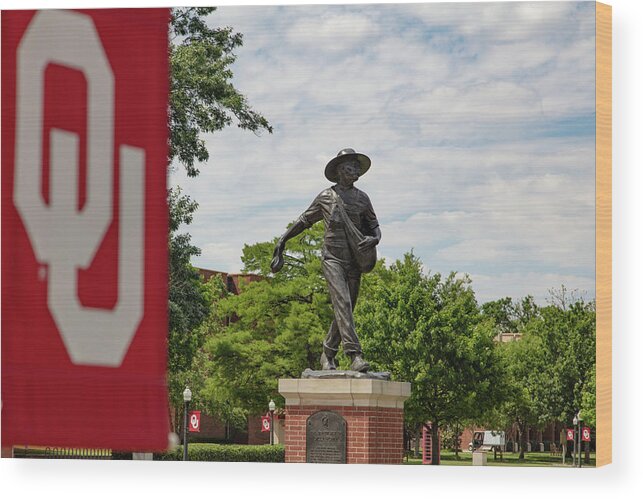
(510,316)
(427,330)
(569,334)
(202,96)
(550,371)
(588,400)
(275,326)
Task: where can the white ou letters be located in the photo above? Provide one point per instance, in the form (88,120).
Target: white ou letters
(63,237)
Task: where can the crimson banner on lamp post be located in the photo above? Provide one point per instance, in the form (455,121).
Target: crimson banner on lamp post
(265,423)
(195,422)
(84,228)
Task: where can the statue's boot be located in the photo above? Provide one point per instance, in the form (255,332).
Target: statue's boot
(359,364)
(328,363)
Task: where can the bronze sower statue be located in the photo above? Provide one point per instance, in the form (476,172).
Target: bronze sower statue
(351,234)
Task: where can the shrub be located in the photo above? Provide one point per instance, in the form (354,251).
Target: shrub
(227,453)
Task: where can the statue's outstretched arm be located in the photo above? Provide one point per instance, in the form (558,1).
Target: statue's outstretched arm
(278,255)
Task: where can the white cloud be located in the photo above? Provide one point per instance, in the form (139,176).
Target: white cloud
(507,22)
(477,118)
(332,33)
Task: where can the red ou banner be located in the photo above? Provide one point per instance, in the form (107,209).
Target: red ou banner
(195,421)
(265,423)
(570,434)
(84,228)
(586,435)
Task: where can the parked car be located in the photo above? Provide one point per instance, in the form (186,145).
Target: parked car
(487,440)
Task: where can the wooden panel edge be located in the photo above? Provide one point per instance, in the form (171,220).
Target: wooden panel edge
(603,234)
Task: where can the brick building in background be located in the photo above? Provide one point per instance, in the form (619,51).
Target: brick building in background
(215,431)
(233,282)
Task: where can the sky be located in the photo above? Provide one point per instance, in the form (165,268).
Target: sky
(478,119)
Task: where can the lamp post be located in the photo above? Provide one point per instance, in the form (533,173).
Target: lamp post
(271,408)
(580,431)
(575,421)
(187,396)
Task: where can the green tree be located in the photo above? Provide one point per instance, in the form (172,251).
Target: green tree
(588,400)
(202,96)
(503,313)
(549,371)
(202,100)
(526,368)
(510,316)
(569,332)
(451,437)
(187,301)
(588,407)
(275,326)
(428,330)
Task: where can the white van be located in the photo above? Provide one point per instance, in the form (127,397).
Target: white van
(487,440)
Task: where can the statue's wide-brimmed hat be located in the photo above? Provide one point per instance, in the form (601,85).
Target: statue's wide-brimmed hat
(343,155)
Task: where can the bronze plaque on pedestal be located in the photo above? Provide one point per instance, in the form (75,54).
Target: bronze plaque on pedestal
(325,438)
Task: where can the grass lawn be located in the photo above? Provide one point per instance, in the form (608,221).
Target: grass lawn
(448,458)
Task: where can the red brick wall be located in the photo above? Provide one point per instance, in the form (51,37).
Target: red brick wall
(465,438)
(233,282)
(255,435)
(211,428)
(373,434)
(238,280)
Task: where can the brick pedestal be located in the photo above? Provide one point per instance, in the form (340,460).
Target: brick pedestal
(373,410)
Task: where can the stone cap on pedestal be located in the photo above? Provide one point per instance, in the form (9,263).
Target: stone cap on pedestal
(345,392)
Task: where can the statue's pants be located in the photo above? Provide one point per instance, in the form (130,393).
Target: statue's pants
(343,277)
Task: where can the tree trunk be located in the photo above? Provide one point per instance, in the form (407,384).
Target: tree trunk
(522,430)
(418,436)
(435,444)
